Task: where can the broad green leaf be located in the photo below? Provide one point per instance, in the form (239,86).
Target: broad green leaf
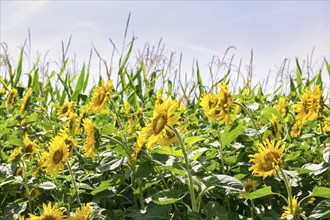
(321,210)
(231,133)
(266,191)
(79,85)
(213,210)
(192,140)
(152,212)
(15,141)
(47,185)
(18,71)
(268,112)
(199,80)
(323,192)
(223,181)
(8,180)
(168,151)
(167,196)
(326,154)
(197,153)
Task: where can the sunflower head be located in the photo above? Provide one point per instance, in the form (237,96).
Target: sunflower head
(49,213)
(287,209)
(268,159)
(33,194)
(14,154)
(282,107)
(91,139)
(249,185)
(66,109)
(26,100)
(56,156)
(11,97)
(81,213)
(296,129)
(101,96)
(30,147)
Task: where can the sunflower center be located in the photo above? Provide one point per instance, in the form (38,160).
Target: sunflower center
(64,109)
(49,217)
(100,99)
(57,157)
(29,148)
(270,160)
(159,123)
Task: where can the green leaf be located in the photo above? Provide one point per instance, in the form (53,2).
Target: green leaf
(192,140)
(266,191)
(19,68)
(214,211)
(223,181)
(298,77)
(323,192)
(326,154)
(152,212)
(231,133)
(168,151)
(103,186)
(15,141)
(47,185)
(79,85)
(167,196)
(268,112)
(197,153)
(321,210)
(199,81)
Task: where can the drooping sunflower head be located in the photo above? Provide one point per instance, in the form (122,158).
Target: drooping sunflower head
(30,147)
(14,154)
(296,129)
(101,96)
(275,125)
(11,97)
(249,185)
(268,160)
(81,213)
(81,117)
(282,107)
(33,194)
(56,156)
(160,131)
(69,141)
(71,123)
(49,213)
(26,99)
(66,109)
(287,209)
(90,142)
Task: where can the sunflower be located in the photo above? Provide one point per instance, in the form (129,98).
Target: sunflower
(2,91)
(296,129)
(82,116)
(159,131)
(66,109)
(282,107)
(71,123)
(11,97)
(33,194)
(26,99)
(287,209)
(56,157)
(218,107)
(100,96)
(268,159)
(49,213)
(90,142)
(81,213)
(308,107)
(326,125)
(69,141)
(276,125)
(30,147)
(14,154)
(249,185)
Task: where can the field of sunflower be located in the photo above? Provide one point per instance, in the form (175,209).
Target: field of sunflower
(135,150)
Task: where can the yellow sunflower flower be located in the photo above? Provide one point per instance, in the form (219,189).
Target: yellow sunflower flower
(287,209)
(220,106)
(268,159)
(101,96)
(82,116)
(49,213)
(308,107)
(33,194)
(69,141)
(2,91)
(326,125)
(249,185)
(296,129)
(159,131)
(11,97)
(71,123)
(276,126)
(90,142)
(81,213)
(66,109)
(56,157)
(30,147)
(14,154)
(282,107)
(26,99)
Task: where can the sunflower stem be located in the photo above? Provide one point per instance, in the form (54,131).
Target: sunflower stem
(288,188)
(252,209)
(190,180)
(252,119)
(73,180)
(25,183)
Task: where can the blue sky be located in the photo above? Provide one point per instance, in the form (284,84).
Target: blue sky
(275,30)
